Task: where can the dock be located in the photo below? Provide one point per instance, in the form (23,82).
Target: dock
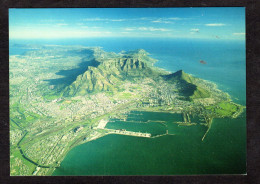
(130,133)
(102,124)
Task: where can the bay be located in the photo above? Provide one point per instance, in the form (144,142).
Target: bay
(221,152)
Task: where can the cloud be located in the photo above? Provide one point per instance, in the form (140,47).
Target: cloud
(117,20)
(162,21)
(129,29)
(152,19)
(194,30)
(166,20)
(52,20)
(49,33)
(151,29)
(84,27)
(61,24)
(103,19)
(215,24)
(93,19)
(175,18)
(156,21)
(90,27)
(80,24)
(238,34)
(145,29)
(156,29)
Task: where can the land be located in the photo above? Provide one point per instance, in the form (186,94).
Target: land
(63,96)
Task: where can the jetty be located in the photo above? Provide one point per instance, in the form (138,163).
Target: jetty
(125,132)
(209,123)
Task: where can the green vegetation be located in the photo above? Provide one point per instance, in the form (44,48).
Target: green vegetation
(189,87)
(224,109)
(200,93)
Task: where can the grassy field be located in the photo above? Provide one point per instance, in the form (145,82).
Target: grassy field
(223,109)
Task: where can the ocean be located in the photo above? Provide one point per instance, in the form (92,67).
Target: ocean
(222,152)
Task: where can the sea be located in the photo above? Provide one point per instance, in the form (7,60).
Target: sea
(223,151)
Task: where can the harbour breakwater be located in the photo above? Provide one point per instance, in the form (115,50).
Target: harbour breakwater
(102,124)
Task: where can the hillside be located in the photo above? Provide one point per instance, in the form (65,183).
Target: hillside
(109,73)
(187,85)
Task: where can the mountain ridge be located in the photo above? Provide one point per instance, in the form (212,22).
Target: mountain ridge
(110,73)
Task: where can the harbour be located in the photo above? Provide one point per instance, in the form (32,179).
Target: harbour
(123,154)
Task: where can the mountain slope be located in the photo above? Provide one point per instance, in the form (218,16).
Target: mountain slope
(108,76)
(187,85)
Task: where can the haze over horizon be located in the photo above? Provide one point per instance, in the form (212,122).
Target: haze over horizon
(200,23)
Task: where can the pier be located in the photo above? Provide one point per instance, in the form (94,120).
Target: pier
(209,123)
(125,132)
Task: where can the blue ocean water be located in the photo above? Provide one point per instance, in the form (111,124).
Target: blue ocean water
(225,59)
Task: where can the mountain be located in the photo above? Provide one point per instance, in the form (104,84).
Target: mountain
(187,85)
(109,72)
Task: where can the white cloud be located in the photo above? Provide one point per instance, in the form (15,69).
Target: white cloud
(117,20)
(90,27)
(151,29)
(84,27)
(238,34)
(52,20)
(194,30)
(103,19)
(129,29)
(166,20)
(80,24)
(61,24)
(157,21)
(215,24)
(175,18)
(143,28)
(146,29)
(152,19)
(162,21)
(46,33)
(93,19)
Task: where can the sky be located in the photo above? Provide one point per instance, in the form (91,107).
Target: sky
(203,23)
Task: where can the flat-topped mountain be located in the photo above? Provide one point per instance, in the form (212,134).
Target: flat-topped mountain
(108,73)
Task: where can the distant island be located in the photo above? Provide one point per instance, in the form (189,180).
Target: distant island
(63,96)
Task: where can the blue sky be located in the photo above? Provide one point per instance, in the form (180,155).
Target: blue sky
(204,23)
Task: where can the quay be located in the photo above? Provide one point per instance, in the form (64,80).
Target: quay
(125,132)
(102,124)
